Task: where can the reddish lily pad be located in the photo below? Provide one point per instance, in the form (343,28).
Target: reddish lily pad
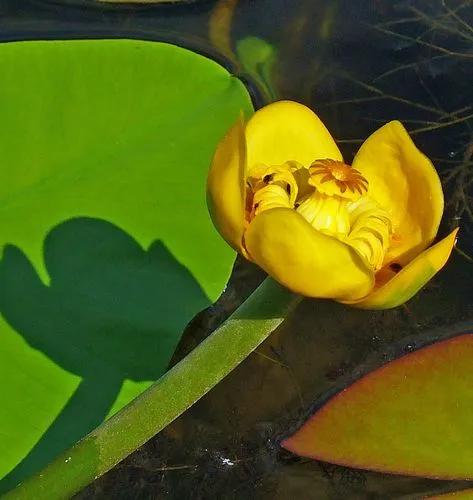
(412,416)
(454,495)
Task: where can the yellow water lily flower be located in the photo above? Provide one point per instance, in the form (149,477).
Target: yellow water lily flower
(280,194)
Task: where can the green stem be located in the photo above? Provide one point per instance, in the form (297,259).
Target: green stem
(165,400)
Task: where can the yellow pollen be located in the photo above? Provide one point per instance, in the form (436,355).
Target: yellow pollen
(335,178)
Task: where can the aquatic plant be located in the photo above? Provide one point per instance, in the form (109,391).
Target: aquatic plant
(96,281)
(410,416)
(270,304)
(280,194)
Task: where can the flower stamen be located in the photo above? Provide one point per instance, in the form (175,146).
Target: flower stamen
(327,214)
(332,198)
(271,187)
(370,232)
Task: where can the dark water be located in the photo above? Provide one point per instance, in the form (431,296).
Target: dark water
(358,64)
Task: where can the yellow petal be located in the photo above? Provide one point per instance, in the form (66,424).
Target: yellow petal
(404,182)
(285,131)
(407,282)
(226,186)
(305,260)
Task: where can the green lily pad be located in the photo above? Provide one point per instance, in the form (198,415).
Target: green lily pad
(258,58)
(411,416)
(108,250)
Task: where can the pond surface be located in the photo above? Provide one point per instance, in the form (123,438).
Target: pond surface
(358,64)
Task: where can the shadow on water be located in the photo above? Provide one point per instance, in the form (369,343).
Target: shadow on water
(111,312)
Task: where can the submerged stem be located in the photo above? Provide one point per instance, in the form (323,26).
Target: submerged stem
(165,400)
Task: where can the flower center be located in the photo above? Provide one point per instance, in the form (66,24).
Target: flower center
(333,177)
(331,196)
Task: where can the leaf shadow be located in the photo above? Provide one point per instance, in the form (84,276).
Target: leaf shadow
(112,311)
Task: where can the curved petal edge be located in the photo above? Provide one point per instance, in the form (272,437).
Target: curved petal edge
(285,131)
(226,186)
(407,282)
(404,182)
(305,260)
